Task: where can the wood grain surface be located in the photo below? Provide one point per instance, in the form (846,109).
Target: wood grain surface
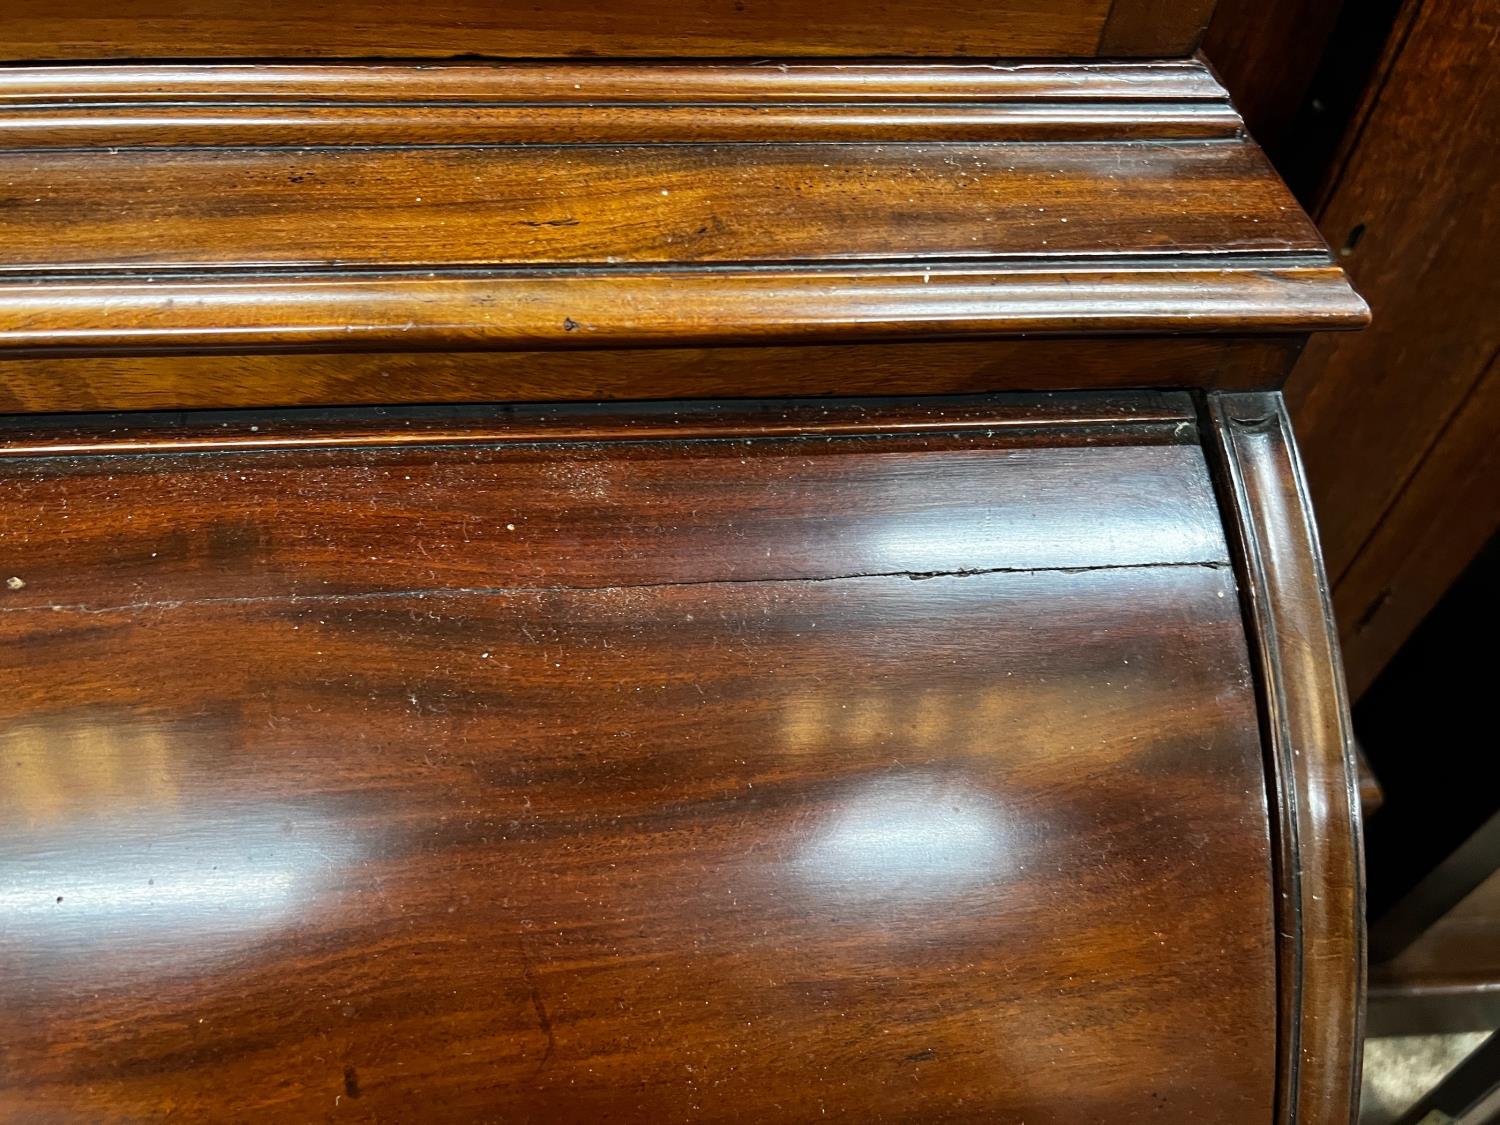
(1398,425)
(335,207)
(1305,717)
(186,382)
(343,105)
(535,766)
(602,308)
(150,209)
(1446,513)
(75,29)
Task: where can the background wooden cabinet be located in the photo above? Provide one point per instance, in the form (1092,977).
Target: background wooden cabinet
(1387,120)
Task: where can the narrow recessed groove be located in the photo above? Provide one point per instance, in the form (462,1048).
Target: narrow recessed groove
(717,142)
(938,266)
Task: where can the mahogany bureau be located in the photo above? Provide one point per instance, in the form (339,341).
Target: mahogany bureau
(703,561)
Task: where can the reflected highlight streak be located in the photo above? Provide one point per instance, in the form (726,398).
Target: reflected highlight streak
(912,840)
(174,886)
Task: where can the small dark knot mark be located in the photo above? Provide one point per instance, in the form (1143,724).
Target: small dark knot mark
(922,1056)
(569,324)
(59,898)
(351,1082)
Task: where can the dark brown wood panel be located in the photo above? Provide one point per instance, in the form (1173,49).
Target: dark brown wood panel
(1305,716)
(1267,52)
(1446,513)
(76,29)
(1154,27)
(874,847)
(186,382)
(1412,209)
(726,836)
(484,512)
(734,830)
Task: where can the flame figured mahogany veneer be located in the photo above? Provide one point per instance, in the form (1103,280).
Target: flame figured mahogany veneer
(565,592)
(210,209)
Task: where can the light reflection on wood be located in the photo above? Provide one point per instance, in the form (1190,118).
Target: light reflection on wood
(70,767)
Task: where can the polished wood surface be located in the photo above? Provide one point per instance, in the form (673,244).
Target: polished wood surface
(768,762)
(352,105)
(186,382)
(75,29)
(637,205)
(552,696)
(1320,911)
(437,472)
(510,206)
(600,308)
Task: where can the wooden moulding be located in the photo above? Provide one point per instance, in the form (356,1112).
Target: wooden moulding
(525,310)
(539,103)
(1315,805)
(1135,418)
(196,209)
